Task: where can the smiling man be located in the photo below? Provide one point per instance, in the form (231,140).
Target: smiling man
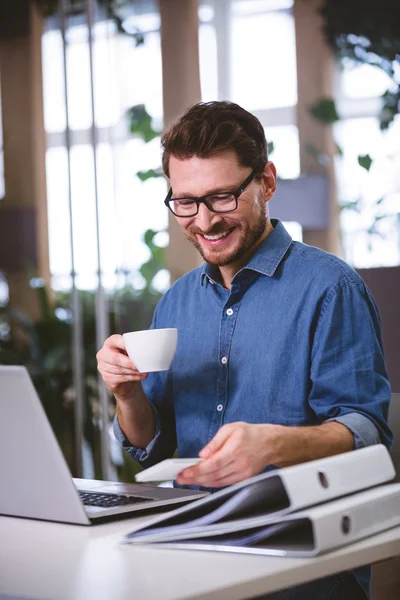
(224,240)
(279,357)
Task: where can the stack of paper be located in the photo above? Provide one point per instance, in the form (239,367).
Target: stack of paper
(302,510)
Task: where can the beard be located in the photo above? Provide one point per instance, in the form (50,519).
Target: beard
(248,238)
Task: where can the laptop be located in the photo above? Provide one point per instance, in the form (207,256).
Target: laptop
(34,477)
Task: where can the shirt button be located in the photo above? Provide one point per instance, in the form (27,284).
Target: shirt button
(219,407)
(224,360)
(229,312)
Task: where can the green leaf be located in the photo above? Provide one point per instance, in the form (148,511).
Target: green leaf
(148,237)
(139,39)
(390,108)
(324,110)
(338,149)
(140,123)
(365,161)
(354,205)
(48,7)
(149,174)
(270,148)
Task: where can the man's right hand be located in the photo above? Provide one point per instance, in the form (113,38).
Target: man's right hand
(118,372)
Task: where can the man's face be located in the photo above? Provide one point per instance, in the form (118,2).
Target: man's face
(225,238)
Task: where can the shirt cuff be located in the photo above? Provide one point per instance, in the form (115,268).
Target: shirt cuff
(138,454)
(364,431)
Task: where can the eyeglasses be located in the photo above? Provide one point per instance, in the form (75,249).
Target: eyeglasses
(222,202)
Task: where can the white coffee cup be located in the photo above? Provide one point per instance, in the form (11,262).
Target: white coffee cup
(152,349)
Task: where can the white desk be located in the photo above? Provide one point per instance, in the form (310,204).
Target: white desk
(67,562)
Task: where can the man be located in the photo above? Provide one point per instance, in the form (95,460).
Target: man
(279,357)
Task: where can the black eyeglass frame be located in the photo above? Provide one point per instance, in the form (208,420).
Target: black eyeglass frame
(203,199)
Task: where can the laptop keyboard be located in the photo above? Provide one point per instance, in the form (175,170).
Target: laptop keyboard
(108,500)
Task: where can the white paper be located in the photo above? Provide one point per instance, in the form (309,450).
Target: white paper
(167,469)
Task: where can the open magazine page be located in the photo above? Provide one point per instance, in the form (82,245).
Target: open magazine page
(261,497)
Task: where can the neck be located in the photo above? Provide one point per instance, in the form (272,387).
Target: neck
(228,272)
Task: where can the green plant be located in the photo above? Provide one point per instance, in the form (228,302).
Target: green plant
(367,32)
(362,32)
(113,9)
(44,347)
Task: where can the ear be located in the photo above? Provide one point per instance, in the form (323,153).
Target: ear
(269,180)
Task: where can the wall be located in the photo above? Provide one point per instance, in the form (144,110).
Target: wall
(384,284)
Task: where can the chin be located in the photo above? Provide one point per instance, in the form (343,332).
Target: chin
(223,259)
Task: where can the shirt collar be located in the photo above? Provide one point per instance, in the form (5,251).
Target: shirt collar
(267,257)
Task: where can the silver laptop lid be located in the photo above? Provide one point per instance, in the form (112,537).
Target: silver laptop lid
(34,478)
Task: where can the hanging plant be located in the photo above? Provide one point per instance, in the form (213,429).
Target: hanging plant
(368,32)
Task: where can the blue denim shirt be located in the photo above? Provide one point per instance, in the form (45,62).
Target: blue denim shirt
(296,341)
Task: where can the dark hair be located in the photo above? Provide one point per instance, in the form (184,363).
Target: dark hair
(211,127)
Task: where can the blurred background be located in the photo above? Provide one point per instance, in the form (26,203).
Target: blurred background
(86,244)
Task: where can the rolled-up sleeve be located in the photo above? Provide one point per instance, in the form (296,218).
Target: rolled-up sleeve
(163,444)
(364,431)
(157,388)
(138,454)
(349,382)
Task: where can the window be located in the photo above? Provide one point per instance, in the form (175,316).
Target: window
(237,40)
(208,54)
(263,62)
(371,227)
(286,153)
(2,185)
(363,81)
(117,68)
(95,201)
(370,222)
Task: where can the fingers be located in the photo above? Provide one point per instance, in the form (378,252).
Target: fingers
(114,369)
(113,358)
(229,479)
(115,341)
(217,442)
(115,366)
(208,475)
(115,380)
(228,475)
(230,459)
(220,464)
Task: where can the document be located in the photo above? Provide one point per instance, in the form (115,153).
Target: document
(245,511)
(166,469)
(307,533)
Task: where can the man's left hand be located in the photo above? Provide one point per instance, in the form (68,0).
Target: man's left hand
(238,451)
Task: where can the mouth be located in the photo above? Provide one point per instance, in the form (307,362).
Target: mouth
(216,240)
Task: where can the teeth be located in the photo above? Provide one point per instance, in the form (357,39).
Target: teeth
(216,237)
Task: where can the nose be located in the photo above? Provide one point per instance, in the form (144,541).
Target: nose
(206,219)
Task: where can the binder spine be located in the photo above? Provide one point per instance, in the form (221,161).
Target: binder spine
(326,479)
(359,521)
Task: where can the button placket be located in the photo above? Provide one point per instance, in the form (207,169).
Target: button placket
(227,325)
